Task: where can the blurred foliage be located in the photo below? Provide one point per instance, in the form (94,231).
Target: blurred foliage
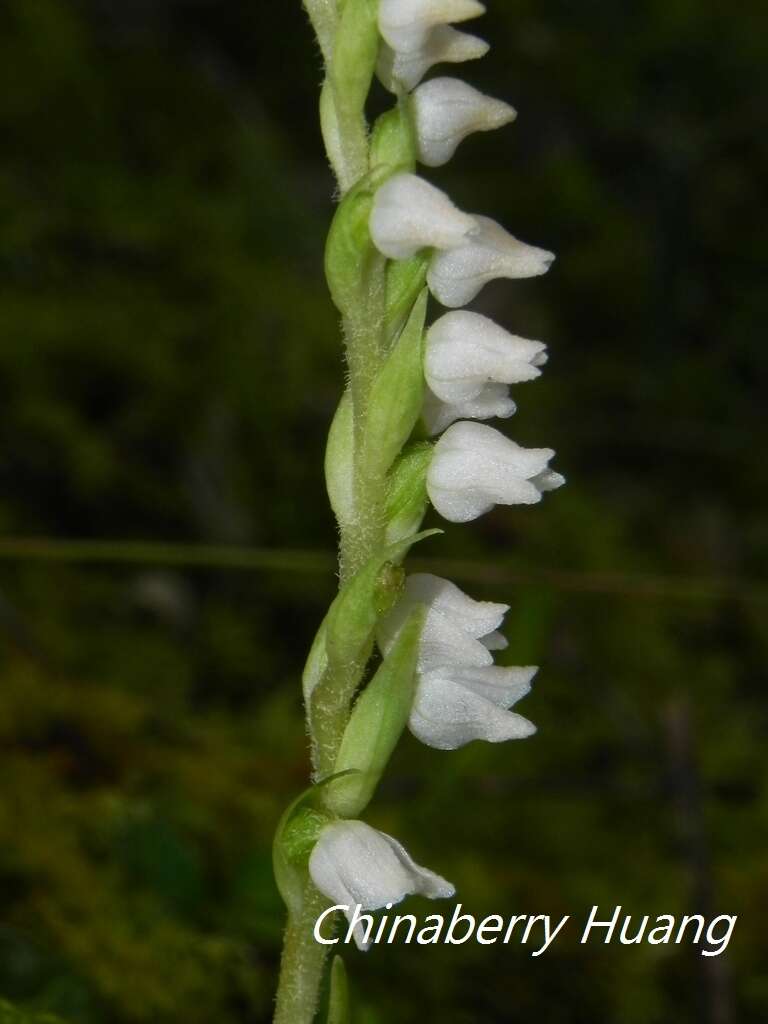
(168,370)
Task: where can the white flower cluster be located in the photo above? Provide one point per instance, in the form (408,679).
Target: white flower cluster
(470,363)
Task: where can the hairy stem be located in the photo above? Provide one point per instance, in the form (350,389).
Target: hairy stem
(302,964)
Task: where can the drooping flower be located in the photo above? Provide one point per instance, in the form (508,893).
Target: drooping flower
(405,24)
(356,865)
(493,402)
(460,694)
(465,351)
(456,276)
(442,45)
(475,467)
(410,214)
(446,111)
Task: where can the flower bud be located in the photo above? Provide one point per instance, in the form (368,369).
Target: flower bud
(446,111)
(443,45)
(493,402)
(405,24)
(410,214)
(455,277)
(466,350)
(355,865)
(474,467)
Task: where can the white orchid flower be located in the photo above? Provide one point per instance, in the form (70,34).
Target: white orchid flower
(455,626)
(466,351)
(475,467)
(446,111)
(356,865)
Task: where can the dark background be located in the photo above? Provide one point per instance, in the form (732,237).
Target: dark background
(169,365)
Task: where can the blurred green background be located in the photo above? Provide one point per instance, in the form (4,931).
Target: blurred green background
(168,367)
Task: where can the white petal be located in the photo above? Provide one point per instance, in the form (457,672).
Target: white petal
(475,467)
(446,111)
(405,24)
(493,401)
(455,277)
(465,351)
(443,45)
(353,863)
(410,214)
(446,715)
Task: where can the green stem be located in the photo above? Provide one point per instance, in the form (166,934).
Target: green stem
(302,964)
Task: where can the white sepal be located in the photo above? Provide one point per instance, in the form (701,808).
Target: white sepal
(405,24)
(455,277)
(455,705)
(446,111)
(443,45)
(455,625)
(353,864)
(493,402)
(465,351)
(474,467)
(409,214)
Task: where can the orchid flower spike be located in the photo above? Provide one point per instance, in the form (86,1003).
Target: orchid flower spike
(493,402)
(460,694)
(474,467)
(406,24)
(443,45)
(455,277)
(446,111)
(465,351)
(356,865)
(410,214)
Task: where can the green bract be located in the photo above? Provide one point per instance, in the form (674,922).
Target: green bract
(377,722)
(338,1000)
(393,141)
(339,461)
(397,395)
(405,281)
(349,253)
(407,493)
